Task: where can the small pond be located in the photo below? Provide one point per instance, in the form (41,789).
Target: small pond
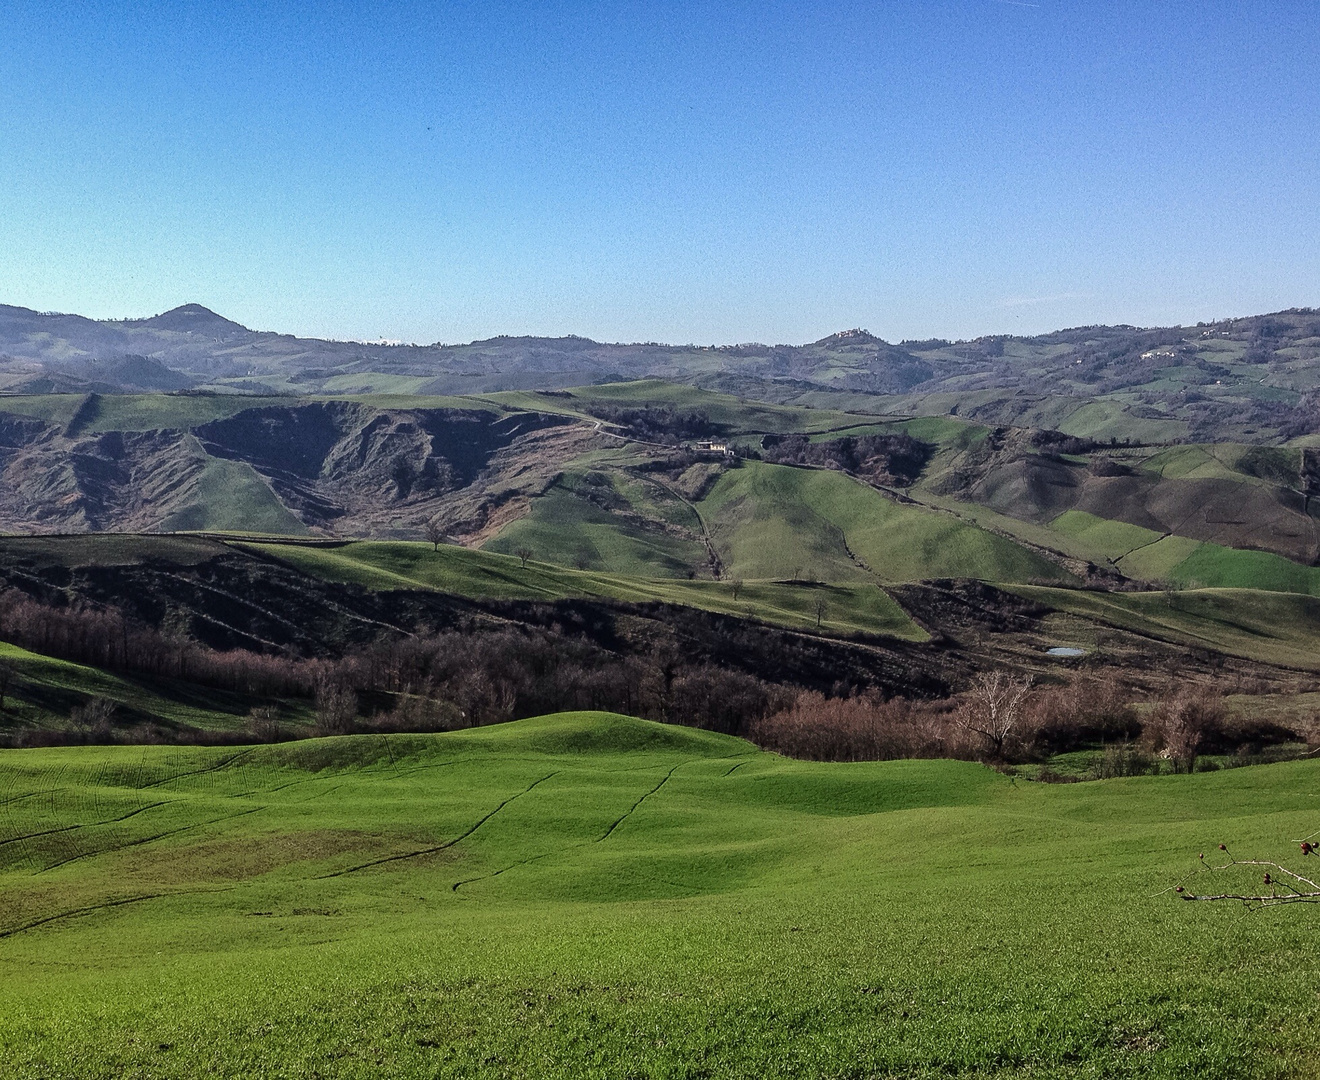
(1065,650)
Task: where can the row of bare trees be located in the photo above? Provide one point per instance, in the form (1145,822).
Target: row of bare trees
(483,676)
(1005,718)
(427,682)
(105,638)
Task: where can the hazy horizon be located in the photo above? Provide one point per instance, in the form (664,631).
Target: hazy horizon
(621,341)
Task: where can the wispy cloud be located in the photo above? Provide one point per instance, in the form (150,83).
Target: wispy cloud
(1017,3)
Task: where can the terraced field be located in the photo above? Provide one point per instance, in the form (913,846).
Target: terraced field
(589,895)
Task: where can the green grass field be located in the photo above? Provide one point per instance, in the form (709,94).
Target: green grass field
(731,414)
(139,412)
(146,412)
(565,527)
(769,520)
(230,495)
(591,896)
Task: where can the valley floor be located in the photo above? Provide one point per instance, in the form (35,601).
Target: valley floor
(591,895)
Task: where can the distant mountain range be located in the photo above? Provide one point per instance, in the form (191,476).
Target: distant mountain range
(1250,379)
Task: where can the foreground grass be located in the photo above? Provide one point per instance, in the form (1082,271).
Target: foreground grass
(587,895)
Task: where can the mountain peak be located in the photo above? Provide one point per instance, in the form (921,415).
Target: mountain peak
(856,336)
(192,317)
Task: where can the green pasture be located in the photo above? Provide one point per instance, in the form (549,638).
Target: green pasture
(1103,536)
(140,412)
(1214,565)
(941,431)
(850,607)
(772,520)
(402,400)
(1147,555)
(1195,564)
(1196,462)
(109,549)
(587,895)
(566,526)
(148,412)
(230,495)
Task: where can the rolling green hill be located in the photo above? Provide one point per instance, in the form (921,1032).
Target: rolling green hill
(849,607)
(773,520)
(588,895)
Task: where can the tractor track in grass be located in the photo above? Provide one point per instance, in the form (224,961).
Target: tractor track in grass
(30,795)
(74,913)
(399,774)
(629,812)
(512,866)
(318,795)
(734,768)
(200,772)
(332,774)
(559,851)
(448,843)
(145,840)
(83,825)
(91,909)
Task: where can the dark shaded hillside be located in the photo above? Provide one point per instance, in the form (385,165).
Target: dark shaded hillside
(202,613)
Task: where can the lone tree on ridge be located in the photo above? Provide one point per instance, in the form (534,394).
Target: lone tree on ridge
(435,536)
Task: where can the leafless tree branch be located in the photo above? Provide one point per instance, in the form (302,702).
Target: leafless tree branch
(1286,886)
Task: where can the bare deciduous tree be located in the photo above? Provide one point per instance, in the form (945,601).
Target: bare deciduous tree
(435,536)
(94,717)
(737,586)
(820,608)
(6,677)
(336,709)
(524,553)
(1179,724)
(995,707)
(264,724)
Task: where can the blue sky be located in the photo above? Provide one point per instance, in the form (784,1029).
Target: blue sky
(707,172)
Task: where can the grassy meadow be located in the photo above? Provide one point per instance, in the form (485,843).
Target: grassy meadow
(770,520)
(590,895)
